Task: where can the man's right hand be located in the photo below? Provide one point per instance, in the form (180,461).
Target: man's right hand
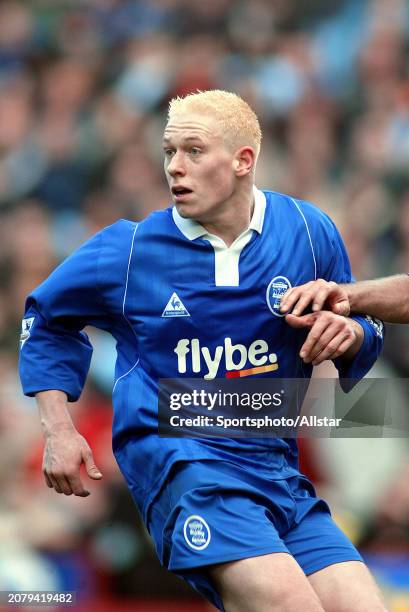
(320,294)
(65,450)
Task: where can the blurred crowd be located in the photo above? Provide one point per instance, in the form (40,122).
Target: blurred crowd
(84,87)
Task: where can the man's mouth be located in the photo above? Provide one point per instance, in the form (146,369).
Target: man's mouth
(177,191)
(180,193)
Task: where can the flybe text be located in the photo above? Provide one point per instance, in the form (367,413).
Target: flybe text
(194,357)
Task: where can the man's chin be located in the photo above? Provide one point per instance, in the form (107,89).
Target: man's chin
(185,211)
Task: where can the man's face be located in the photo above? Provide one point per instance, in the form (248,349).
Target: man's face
(199,166)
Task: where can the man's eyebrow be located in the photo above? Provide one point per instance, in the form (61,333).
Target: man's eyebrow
(166,139)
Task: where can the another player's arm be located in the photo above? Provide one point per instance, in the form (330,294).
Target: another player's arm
(318,295)
(384,298)
(65,449)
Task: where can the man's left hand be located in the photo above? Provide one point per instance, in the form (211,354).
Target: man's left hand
(330,336)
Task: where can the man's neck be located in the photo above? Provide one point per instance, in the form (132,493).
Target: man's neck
(232,221)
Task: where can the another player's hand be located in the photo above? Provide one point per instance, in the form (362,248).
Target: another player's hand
(64,452)
(320,294)
(330,335)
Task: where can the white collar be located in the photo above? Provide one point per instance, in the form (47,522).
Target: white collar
(192,229)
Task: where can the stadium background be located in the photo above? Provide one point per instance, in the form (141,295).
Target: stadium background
(84,87)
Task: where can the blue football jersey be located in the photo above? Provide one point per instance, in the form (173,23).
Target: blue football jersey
(179,303)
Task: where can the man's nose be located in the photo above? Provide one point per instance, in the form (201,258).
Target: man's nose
(176,165)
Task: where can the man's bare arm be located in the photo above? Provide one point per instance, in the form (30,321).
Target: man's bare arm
(384,298)
(65,449)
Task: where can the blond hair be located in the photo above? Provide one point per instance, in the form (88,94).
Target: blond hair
(239,123)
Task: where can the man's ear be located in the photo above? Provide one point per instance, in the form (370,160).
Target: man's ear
(244,161)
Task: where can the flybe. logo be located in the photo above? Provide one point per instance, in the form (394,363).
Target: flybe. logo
(191,355)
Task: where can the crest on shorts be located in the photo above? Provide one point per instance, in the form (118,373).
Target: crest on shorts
(275,291)
(196,532)
(26,325)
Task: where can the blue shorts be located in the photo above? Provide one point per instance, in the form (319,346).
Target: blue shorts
(212,512)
